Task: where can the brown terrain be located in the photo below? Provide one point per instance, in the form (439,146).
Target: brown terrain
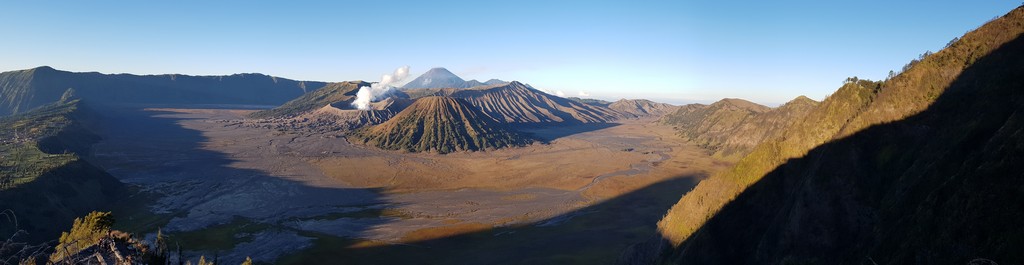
(218,172)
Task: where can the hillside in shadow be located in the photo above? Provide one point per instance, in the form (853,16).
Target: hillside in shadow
(42,179)
(210,204)
(591,235)
(942,186)
(200,198)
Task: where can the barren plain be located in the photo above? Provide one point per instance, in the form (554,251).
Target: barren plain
(240,187)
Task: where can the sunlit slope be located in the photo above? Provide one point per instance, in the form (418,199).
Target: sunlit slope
(919,168)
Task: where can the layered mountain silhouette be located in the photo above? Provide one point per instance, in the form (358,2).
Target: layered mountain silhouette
(23,90)
(440,77)
(494,82)
(591,101)
(439,124)
(923,168)
(730,128)
(641,107)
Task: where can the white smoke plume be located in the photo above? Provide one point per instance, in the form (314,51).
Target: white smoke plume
(584,94)
(560,93)
(373,92)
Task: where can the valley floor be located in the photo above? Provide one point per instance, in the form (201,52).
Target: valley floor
(226,186)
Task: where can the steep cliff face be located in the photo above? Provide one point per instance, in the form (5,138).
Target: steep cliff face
(922,168)
(23,90)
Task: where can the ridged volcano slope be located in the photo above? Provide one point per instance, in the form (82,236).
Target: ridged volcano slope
(517,103)
(439,124)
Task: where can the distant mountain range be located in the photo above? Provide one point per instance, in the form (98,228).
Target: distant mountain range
(641,107)
(591,101)
(442,78)
(26,89)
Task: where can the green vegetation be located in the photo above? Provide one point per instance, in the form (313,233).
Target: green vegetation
(91,239)
(45,184)
(85,232)
(21,160)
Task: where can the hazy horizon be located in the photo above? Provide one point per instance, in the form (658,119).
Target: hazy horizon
(665,51)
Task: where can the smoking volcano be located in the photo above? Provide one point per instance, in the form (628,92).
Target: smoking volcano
(376,91)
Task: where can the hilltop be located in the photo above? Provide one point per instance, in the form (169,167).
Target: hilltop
(641,107)
(439,77)
(730,128)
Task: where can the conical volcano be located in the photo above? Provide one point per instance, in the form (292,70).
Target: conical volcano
(438,78)
(439,124)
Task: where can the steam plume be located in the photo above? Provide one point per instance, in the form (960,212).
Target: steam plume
(371,93)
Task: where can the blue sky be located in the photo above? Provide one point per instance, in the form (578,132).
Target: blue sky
(674,51)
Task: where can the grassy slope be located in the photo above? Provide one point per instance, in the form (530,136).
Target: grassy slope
(49,185)
(913,163)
